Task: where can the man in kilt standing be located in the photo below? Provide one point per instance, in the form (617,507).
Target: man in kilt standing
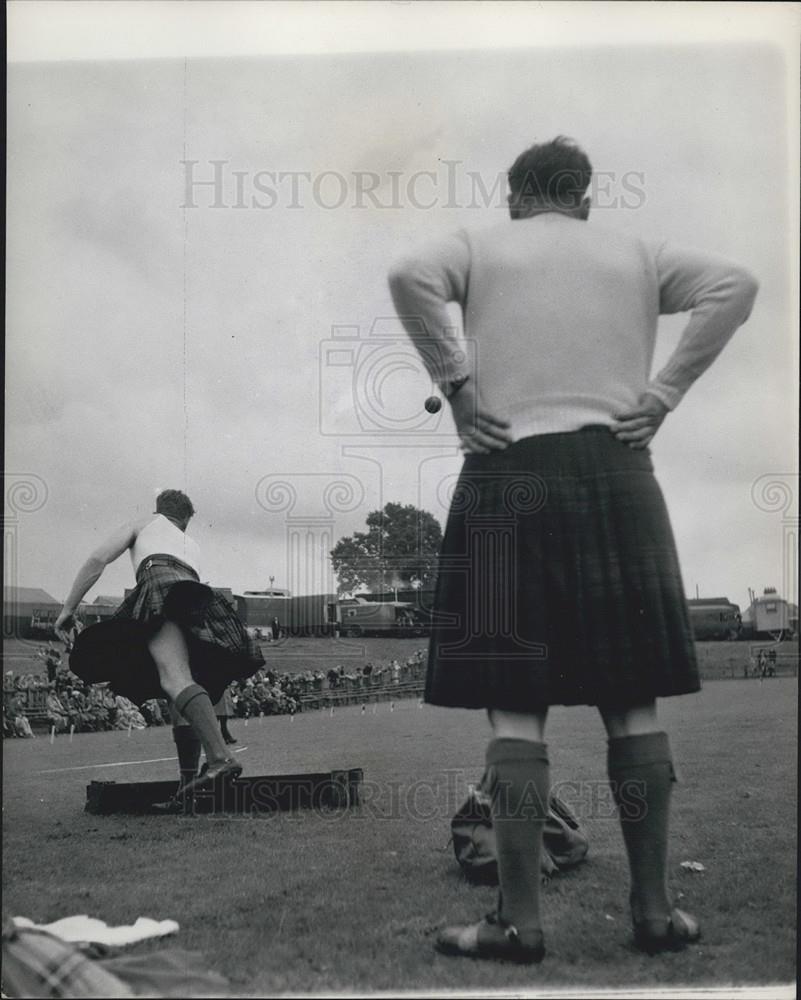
(171,635)
(559,581)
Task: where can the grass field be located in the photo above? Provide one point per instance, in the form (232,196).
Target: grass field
(349,902)
(716,659)
(290,655)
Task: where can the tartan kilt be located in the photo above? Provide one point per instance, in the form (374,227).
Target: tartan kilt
(116,650)
(559,581)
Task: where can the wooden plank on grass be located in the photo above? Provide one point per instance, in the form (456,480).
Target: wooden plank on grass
(335,789)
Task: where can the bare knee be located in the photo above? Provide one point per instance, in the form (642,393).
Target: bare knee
(631,721)
(518,725)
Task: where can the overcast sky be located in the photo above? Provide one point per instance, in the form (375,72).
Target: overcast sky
(169,334)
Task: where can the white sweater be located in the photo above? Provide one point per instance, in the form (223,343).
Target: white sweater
(560,317)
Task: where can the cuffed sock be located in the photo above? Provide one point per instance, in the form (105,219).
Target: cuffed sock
(519,786)
(641,774)
(195,706)
(188,745)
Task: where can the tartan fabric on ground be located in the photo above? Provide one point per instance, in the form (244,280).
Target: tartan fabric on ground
(37,964)
(559,581)
(220,650)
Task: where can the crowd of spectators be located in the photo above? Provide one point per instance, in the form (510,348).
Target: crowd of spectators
(271,693)
(70,705)
(371,676)
(66,703)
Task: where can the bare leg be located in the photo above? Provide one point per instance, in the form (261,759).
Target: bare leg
(169,651)
(171,655)
(518,725)
(630,721)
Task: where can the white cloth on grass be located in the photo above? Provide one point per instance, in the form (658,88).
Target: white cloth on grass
(84,928)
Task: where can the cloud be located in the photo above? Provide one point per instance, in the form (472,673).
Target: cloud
(153,345)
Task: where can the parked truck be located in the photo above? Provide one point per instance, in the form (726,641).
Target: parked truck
(714,618)
(358,617)
(305,615)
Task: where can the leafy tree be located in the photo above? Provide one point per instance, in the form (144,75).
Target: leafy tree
(399,549)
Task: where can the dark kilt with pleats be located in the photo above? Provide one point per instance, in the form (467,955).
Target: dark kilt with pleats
(559,581)
(220,650)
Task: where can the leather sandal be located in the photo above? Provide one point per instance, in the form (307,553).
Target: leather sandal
(671,933)
(492,937)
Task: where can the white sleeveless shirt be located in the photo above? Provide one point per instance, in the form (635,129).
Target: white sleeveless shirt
(162,537)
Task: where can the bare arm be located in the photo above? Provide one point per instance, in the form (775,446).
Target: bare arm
(91,571)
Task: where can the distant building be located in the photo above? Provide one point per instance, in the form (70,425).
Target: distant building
(714,618)
(29,613)
(303,615)
(98,610)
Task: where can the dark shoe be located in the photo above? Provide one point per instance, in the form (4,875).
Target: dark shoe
(173,807)
(671,933)
(492,938)
(179,805)
(217,771)
(231,739)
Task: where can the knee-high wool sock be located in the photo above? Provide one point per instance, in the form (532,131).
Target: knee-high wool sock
(195,706)
(188,745)
(641,774)
(519,785)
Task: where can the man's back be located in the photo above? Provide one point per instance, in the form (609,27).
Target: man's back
(562,314)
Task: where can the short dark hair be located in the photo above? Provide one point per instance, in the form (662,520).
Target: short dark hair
(174,503)
(558,171)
